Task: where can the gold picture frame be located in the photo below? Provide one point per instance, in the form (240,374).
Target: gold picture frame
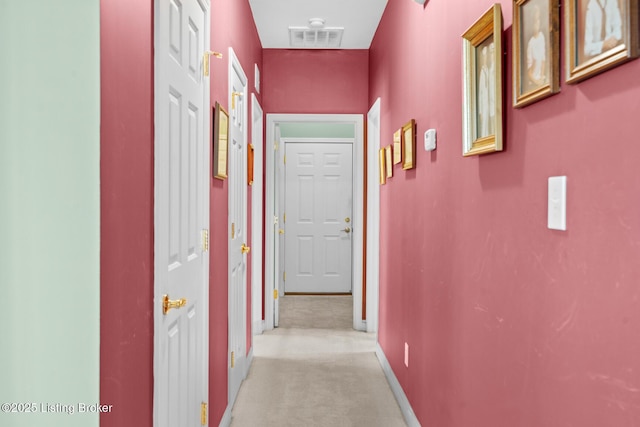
(382,159)
(482,81)
(397,146)
(250,165)
(589,50)
(389,160)
(409,145)
(220,141)
(536,50)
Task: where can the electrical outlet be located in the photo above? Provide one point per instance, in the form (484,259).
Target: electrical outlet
(406,355)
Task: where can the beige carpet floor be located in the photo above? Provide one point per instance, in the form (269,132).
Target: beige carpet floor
(315,370)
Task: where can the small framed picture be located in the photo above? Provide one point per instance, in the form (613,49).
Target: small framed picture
(389,160)
(382,160)
(536,50)
(220,141)
(250,165)
(482,81)
(409,145)
(600,34)
(397,146)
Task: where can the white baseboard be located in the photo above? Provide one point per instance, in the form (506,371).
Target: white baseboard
(226,418)
(396,388)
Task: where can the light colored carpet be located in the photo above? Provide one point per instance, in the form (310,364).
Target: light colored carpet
(315,370)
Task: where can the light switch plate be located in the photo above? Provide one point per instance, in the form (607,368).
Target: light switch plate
(430,140)
(557,203)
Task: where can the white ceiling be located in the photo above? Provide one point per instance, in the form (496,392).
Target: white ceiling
(359,18)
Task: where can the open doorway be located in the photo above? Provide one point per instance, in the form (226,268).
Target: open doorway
(309,128)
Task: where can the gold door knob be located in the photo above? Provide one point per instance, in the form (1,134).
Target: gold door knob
(245,249)
(347,230)
(281,231)
(168,304)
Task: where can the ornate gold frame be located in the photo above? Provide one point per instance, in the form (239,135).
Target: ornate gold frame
(220,141)
(522,13)
(577,69)
(486,29)
(409,145)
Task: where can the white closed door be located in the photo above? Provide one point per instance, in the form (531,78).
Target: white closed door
(238,236)
(318,208)
(181,267)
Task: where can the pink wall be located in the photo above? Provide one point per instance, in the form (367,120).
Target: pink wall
(126,173)
(316,81)
(126,371)
(231,25)
(508,323)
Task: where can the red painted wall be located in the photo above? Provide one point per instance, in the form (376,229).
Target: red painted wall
(231,26)
(126,174)
(316,81)
(508,323)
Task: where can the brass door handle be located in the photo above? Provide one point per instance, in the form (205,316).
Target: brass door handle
(281,231)
(245,249)
(347,230)
(168,304)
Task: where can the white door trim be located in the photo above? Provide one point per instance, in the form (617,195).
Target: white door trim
(257,127)
(273,121)
(373,217)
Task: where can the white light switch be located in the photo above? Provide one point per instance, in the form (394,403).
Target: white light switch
(557,205)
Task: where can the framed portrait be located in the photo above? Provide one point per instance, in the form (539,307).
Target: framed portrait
(389,160)
(220,141)
(536,50)
(599,35)
(409,145)
(250,165)
(382,160)
(482,84)
(397,146)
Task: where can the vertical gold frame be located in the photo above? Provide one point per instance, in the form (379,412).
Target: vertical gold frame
(580,66)
(486,29)
(526,91)
(409,145)
(382,160)
(250,165)
(388,151)
(220,141)
(397,146)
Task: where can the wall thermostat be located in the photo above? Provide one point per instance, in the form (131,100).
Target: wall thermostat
(430,140)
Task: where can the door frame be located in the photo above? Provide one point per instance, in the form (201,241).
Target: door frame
(257,139)
(372,265)
(157,291)
(272,270)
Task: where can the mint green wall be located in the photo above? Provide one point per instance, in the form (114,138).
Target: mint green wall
(49,208)
(317,130)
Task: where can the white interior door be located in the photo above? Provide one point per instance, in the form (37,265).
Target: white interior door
(257,127)
(181,203)
(238,241)
(278,231)
(318,208)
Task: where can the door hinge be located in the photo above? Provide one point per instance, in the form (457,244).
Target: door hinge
(285,159)
(233,230)
(203,414)
(205,240)
(284,276)
(284,218)
(233,359)
(275,146)
(275,294)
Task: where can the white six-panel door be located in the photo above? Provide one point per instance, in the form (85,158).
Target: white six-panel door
(238,236)
(318,207)
(180,373)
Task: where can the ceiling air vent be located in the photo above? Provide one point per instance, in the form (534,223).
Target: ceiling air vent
(312,38)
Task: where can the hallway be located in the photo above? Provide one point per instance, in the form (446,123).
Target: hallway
(315,370)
